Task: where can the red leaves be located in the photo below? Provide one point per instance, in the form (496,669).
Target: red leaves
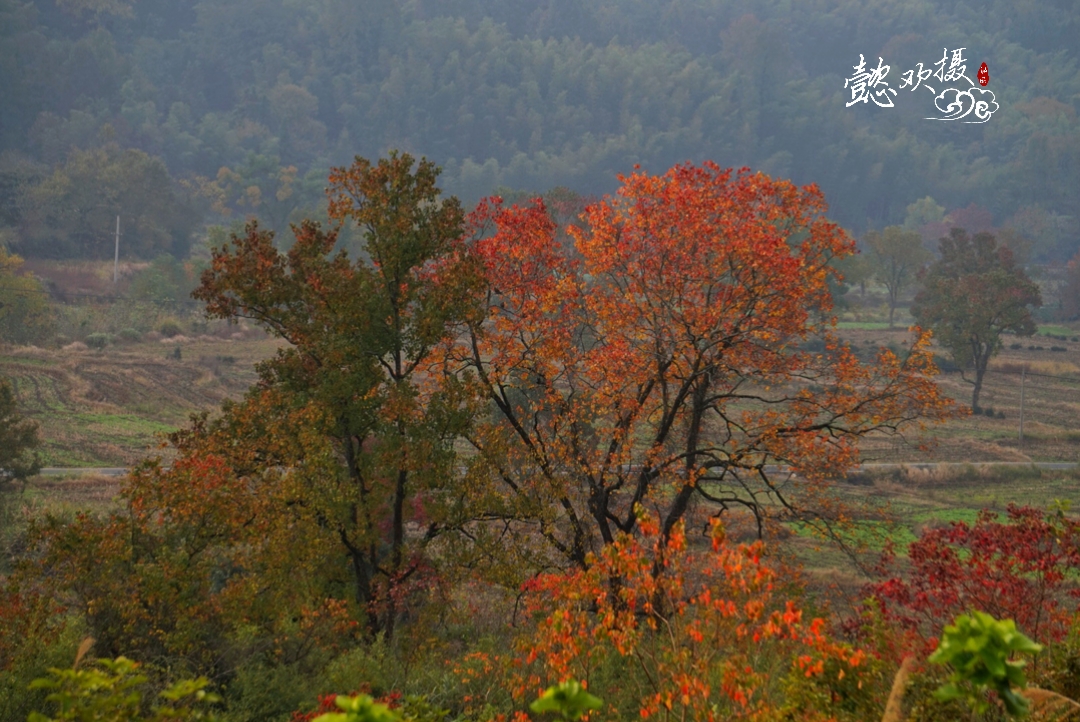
(1018,569)
(29,621)
(663,353)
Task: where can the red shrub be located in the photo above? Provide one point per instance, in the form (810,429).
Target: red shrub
(1015,569)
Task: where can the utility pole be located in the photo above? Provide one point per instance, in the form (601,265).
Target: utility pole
(116,254)
(1023,374)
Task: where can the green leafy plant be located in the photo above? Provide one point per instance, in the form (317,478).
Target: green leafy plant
(98,340)
(170,328)
(567,699)
(112,690)
(978,648)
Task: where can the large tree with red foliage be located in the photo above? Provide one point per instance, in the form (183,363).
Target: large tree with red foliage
(662,361)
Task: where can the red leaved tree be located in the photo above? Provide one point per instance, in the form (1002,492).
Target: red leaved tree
(663,361)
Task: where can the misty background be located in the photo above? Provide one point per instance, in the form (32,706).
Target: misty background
(187,118)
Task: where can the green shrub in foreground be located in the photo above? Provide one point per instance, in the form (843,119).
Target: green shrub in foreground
(978,648)
(113,691)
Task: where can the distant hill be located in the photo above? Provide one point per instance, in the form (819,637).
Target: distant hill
(247,103)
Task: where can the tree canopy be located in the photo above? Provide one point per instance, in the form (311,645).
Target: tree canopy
(973,294)
(363,335)
(660,362)
(896,256)
(658,365)
(25,316)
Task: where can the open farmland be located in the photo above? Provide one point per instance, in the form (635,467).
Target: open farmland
(105,408)
(1051,404)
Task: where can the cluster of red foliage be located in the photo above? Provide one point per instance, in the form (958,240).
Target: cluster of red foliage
(27,620)
(1014,569)
(327,704)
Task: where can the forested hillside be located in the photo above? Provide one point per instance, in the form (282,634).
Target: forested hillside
(177,115)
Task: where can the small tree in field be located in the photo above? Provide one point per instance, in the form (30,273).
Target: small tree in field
(18,438)
(896,256)
(973,294)
(1070,294)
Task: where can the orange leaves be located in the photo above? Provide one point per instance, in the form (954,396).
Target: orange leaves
(697,635)
(534,286)
(692,248)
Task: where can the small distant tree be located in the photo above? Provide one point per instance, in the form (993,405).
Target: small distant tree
(856,271)
(923,211)
(973,294)
(25,316)
(18,439)
(896,256)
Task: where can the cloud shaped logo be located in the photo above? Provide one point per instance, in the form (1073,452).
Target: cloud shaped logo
(955,104)
(985,104)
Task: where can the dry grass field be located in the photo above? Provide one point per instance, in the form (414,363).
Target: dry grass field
(104,407)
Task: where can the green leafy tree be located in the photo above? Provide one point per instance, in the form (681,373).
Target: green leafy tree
(25,316)
(973,294)
(895,256)
(18,438)
(923,211)
(165,282)
(363,338)
(1070,293)
(72,212)
(856,270)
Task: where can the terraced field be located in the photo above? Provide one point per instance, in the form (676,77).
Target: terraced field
(105,408)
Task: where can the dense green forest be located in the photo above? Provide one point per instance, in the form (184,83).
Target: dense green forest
(183,115)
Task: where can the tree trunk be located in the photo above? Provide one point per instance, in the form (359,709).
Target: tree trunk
(980,371)
(397,552)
